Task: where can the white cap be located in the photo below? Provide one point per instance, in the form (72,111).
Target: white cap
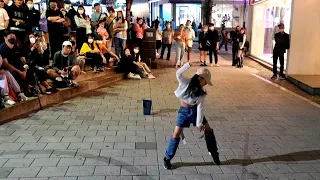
(67,43)
(205,74)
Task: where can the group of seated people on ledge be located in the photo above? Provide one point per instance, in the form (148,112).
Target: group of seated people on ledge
(24,69)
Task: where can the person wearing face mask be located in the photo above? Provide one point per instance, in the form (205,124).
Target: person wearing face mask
(235,45)
(70,13)
(17,13)
(34,50)
(107,53)
(65,68)
(167,39)
(213,44)
(55,27)
(15,62)
(4,20)
(82,22)
(32,18)
(282,44)
(203,44)
(190,35)
(143,68)
(91,50)
(128,67)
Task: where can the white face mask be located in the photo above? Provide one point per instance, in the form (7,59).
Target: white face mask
(136,51)
(99,42)
(30,6)
(90,40)
(80,11)
(32,40)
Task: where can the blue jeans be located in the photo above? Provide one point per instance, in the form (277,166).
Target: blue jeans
(187,116)
(120,45)
(179,52)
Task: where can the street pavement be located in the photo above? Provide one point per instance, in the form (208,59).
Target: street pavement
(263,132)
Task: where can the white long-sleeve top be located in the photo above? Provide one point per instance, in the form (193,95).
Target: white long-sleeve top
(180,93)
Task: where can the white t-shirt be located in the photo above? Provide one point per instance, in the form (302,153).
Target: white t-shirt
(3,16)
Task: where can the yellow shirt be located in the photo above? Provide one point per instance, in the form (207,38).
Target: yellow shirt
(86,48)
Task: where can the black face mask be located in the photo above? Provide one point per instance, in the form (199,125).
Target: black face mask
(11,41)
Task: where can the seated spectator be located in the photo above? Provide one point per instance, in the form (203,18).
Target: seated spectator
(8,80)
(65,70)
(34,50)
(107,53)
(146,72)
(91,51)
(127,66)
(14,60)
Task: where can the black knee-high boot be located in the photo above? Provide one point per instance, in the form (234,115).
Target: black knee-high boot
(238,61)
(212,146)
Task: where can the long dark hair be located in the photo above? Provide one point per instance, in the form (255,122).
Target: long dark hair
(123,19)
(194,89)
(84,12)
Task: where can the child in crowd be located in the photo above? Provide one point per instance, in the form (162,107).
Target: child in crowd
(146,72)
(103,32)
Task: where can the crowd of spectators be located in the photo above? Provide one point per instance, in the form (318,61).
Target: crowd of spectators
(49,49)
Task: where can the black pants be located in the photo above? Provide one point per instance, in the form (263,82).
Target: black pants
(158,45)
(2,36)
(277,55)
(95,59)
(234,53)
(215,56)
(55,42)
(164,46)
(140,44)
(81,37)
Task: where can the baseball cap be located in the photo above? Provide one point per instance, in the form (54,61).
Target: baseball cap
(35,30)
(67,43)
(67,2)
(205,74)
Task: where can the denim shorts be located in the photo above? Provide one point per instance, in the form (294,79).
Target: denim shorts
(187,116)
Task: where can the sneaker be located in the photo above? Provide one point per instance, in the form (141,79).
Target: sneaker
(167,163)
(8,100)
(282,77)
(22,97)
(204,64)
(137,76)
(74,84)
(217,65)
(99,70)
(150,76)
(92,70)
(274,77)
(211,64)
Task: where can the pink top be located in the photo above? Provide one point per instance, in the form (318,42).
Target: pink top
(101,31)
(139,30)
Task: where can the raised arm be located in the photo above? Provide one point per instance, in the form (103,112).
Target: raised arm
(180,72)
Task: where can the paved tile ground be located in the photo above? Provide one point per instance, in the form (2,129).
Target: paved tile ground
(262,131)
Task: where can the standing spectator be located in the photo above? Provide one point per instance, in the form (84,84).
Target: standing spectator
(4,20)
(120,33)
(66,25)
(103,32)
(167,39)
(32,18)
(203,44)
(242,40)
(17,13)
(235,45)
(180,38)
(109,26)
(82,21)
(190,35)
(55,28)
(97,15)
(282,44)
(213,44)
(158,38)
(139,28)
(6,6)
(224,39)
(70,13)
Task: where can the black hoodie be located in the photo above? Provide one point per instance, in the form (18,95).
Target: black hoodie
(32,19)
(17,13)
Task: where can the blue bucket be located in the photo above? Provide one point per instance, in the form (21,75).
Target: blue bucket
(147,107)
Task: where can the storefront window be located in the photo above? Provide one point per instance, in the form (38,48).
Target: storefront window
(227,14)
(186,12)
(266,17)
